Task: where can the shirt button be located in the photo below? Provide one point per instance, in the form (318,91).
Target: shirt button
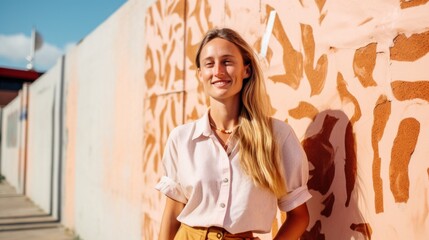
(225,180)
(222,205)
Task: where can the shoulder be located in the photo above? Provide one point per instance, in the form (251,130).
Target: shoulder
(281,129)
(182,131)
(192,130)
(280,125)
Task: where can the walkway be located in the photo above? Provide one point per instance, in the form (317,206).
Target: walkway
(21,219)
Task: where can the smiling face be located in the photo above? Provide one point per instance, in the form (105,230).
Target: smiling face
(222,70)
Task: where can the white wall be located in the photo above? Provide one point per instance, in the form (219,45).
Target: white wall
(10,143)
(104,110)
(13,145)
(1,136)
(43,143)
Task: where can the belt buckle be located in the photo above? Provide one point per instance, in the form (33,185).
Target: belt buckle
(220,232)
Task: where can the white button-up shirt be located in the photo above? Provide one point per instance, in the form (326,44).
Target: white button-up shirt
(215,189)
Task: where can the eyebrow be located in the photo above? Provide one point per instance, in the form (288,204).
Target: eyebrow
(223,56)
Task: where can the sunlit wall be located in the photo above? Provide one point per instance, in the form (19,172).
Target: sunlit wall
(349,76)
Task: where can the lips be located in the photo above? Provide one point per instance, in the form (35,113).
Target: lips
(221,83)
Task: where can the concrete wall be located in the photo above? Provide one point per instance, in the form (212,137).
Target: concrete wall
(1,131)
(104,114)
(10,142)
(44,128)
(13,151)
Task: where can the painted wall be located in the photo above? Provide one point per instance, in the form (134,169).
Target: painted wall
(350,77)
(103,175)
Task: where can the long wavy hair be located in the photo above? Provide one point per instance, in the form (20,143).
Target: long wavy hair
(259,154)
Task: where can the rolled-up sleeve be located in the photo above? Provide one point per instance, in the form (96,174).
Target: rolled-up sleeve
(296,172)
(169,184)
(171,189)
(294,199)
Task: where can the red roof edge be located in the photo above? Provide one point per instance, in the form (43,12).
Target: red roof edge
(29,75)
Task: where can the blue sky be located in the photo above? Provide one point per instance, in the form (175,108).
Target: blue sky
(61,23)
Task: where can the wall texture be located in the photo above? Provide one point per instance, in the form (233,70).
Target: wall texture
(43,162)
(14,139)
(13,129)
(104,113)
(350,77)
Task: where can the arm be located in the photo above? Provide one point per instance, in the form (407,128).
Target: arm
(296,222)
(169,223)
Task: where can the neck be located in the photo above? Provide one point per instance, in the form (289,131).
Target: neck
(224,115)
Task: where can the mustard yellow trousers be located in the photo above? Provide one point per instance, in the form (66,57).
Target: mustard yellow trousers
(186,232)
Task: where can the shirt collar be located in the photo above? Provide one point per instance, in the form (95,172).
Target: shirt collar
(202,126)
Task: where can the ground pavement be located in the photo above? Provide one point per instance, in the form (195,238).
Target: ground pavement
(21,219)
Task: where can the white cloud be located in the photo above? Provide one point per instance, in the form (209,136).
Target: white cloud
(15,48)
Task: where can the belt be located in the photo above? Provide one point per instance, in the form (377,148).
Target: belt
(218,233)
(221,233)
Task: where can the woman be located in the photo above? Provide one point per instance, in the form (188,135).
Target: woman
(227,172)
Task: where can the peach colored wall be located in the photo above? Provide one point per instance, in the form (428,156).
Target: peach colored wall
(349,76)
(163,100)
(104,114)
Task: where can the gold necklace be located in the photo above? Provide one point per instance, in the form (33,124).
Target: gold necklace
(226,131)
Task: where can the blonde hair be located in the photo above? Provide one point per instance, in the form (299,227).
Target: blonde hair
(259,154)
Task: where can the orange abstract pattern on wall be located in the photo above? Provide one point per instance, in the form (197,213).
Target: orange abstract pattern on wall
(353,86)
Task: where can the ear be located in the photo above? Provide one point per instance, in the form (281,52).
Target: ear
(247,71)
(199,74)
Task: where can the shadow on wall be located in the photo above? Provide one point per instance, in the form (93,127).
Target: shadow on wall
(331,149)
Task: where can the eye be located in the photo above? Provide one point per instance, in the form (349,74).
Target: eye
(227,62)
(208,64)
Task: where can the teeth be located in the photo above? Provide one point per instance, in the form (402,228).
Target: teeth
(221,82)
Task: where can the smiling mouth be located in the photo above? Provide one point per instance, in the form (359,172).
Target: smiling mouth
(221,83)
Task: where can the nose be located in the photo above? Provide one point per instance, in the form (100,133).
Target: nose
(219,70)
